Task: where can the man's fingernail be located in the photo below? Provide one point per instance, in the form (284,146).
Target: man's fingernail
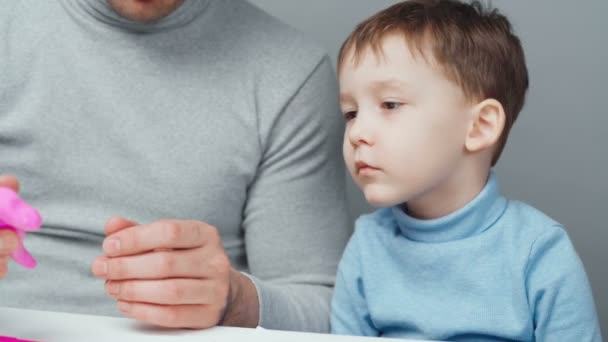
(100,267)
(124,307)
(111,246)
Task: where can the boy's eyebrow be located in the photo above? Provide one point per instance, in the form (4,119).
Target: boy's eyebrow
(389,83)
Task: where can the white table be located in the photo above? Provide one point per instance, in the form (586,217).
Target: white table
(55,326)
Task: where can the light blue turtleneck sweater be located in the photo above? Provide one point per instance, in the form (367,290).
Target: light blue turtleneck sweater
(495,270)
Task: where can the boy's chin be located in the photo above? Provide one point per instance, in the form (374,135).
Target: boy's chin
(380,200)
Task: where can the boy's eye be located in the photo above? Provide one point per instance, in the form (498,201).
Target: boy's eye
(391,105)
(350,115)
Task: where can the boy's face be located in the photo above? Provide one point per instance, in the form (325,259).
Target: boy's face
(406,124)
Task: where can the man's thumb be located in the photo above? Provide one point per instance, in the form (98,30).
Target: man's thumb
(9,181)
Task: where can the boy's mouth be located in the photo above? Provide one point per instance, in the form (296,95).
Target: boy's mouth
(365,168)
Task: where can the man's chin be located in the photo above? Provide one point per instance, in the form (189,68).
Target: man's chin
(145,11)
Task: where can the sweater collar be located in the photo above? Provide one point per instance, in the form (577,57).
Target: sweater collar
(100,11)
(475,217)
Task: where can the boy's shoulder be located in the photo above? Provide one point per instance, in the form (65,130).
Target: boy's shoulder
(523,215)
(372,232)
(526,225)
(380,222)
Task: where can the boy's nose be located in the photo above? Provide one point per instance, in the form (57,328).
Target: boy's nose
(360,132)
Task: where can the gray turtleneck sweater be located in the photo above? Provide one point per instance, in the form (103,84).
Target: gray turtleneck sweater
(216,113)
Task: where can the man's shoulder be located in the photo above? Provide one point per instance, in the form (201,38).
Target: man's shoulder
(7,9)
(11,10)
(23,25)
(265,37)
(7,14)
(28,19)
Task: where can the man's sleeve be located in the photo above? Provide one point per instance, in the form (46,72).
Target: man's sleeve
(558,291)
(296,219)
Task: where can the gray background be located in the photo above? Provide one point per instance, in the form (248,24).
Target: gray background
(556,158)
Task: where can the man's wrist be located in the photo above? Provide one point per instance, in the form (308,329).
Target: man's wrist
(243,307)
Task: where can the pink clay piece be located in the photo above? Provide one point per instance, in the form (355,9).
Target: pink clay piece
(20,217)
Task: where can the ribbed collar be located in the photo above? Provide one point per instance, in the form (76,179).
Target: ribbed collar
(100,10)
(475,217)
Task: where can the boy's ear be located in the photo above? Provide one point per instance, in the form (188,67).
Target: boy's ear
(487,125)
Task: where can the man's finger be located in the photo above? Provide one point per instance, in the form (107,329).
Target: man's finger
(3,267)
(117,223)
(8,242)
(191,263)
(160,235)
(172,316)
(166,291)
(9,181)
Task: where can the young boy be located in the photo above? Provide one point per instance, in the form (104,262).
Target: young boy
(430,90)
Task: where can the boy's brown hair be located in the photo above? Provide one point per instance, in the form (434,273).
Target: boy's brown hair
(474,46)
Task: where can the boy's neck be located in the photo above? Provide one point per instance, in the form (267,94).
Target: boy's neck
(450,195)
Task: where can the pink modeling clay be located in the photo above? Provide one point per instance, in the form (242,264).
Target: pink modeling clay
(12,339)
(21,218)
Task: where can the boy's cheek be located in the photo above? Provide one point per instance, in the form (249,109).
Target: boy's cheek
(347,153)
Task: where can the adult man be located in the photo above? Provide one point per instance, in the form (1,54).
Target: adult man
(208,112)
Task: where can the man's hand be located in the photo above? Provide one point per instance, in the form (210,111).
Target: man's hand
(8,239)
(174,274)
